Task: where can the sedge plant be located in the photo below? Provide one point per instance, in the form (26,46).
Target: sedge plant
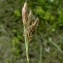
(29,24)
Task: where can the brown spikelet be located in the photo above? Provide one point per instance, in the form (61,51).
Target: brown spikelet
(30,15)
(31,29)
(24,13)
(33,25)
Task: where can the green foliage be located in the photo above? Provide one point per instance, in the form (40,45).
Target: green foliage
(50,13)
(17,13)
(16,47)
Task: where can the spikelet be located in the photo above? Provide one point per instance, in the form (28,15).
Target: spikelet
(31,18)
(24,13)
(31,29)
(33,25)
(30,15)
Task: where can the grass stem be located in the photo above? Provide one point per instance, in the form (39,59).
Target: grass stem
(26,44)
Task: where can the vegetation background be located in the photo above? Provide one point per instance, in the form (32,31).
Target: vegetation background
(47,45)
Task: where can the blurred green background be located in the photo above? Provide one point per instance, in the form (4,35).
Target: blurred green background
(47,45)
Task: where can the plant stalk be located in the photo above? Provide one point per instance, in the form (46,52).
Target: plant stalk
(26,44)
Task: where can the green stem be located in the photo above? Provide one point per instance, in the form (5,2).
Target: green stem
(40,58)
(26,44)
(59,49)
